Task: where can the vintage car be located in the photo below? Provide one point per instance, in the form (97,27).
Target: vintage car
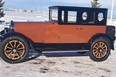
(77,28)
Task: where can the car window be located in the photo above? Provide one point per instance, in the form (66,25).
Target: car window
(72,16)
(100,17)
(54,14)
(62,18)
(84,16)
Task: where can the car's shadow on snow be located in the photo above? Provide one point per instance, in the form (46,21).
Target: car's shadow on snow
(65,54)
(35,54)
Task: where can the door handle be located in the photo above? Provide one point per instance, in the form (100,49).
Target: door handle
(79,28)
(76,28)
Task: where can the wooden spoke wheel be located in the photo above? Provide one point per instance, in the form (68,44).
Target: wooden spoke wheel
(100,49)
(14,49)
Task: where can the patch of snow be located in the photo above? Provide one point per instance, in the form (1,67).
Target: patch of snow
(24,16)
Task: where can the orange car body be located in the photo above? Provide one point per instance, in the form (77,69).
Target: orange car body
(50,32)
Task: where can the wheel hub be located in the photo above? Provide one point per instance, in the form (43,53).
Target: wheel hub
(14,50)
(100,50)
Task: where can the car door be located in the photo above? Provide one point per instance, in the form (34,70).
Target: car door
(71,33)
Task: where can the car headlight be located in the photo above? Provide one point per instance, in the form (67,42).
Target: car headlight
(12,25)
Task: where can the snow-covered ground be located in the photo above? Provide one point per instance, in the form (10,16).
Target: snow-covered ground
(25,16)
(70,64)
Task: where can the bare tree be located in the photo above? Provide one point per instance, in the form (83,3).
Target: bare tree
(1,9)
(95,4)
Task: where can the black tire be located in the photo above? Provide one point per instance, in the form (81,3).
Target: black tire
(14,49)
(100,49)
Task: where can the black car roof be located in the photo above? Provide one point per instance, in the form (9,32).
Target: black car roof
(75,7)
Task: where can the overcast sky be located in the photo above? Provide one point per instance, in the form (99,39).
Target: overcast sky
(44,4)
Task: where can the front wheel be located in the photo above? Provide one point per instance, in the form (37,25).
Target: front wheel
(100,49)
(14,49)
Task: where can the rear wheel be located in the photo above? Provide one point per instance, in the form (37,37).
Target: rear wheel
(100,49)
(14,49)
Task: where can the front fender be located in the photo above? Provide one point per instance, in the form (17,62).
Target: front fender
(6,35)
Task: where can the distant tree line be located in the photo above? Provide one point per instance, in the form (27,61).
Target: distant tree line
(1,9)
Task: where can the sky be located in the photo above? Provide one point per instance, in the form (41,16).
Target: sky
(42,5)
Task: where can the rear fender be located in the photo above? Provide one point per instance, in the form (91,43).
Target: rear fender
(102,36)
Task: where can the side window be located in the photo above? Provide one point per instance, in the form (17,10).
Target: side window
(100,17)
(72,16)
(84,16)
(62,16)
